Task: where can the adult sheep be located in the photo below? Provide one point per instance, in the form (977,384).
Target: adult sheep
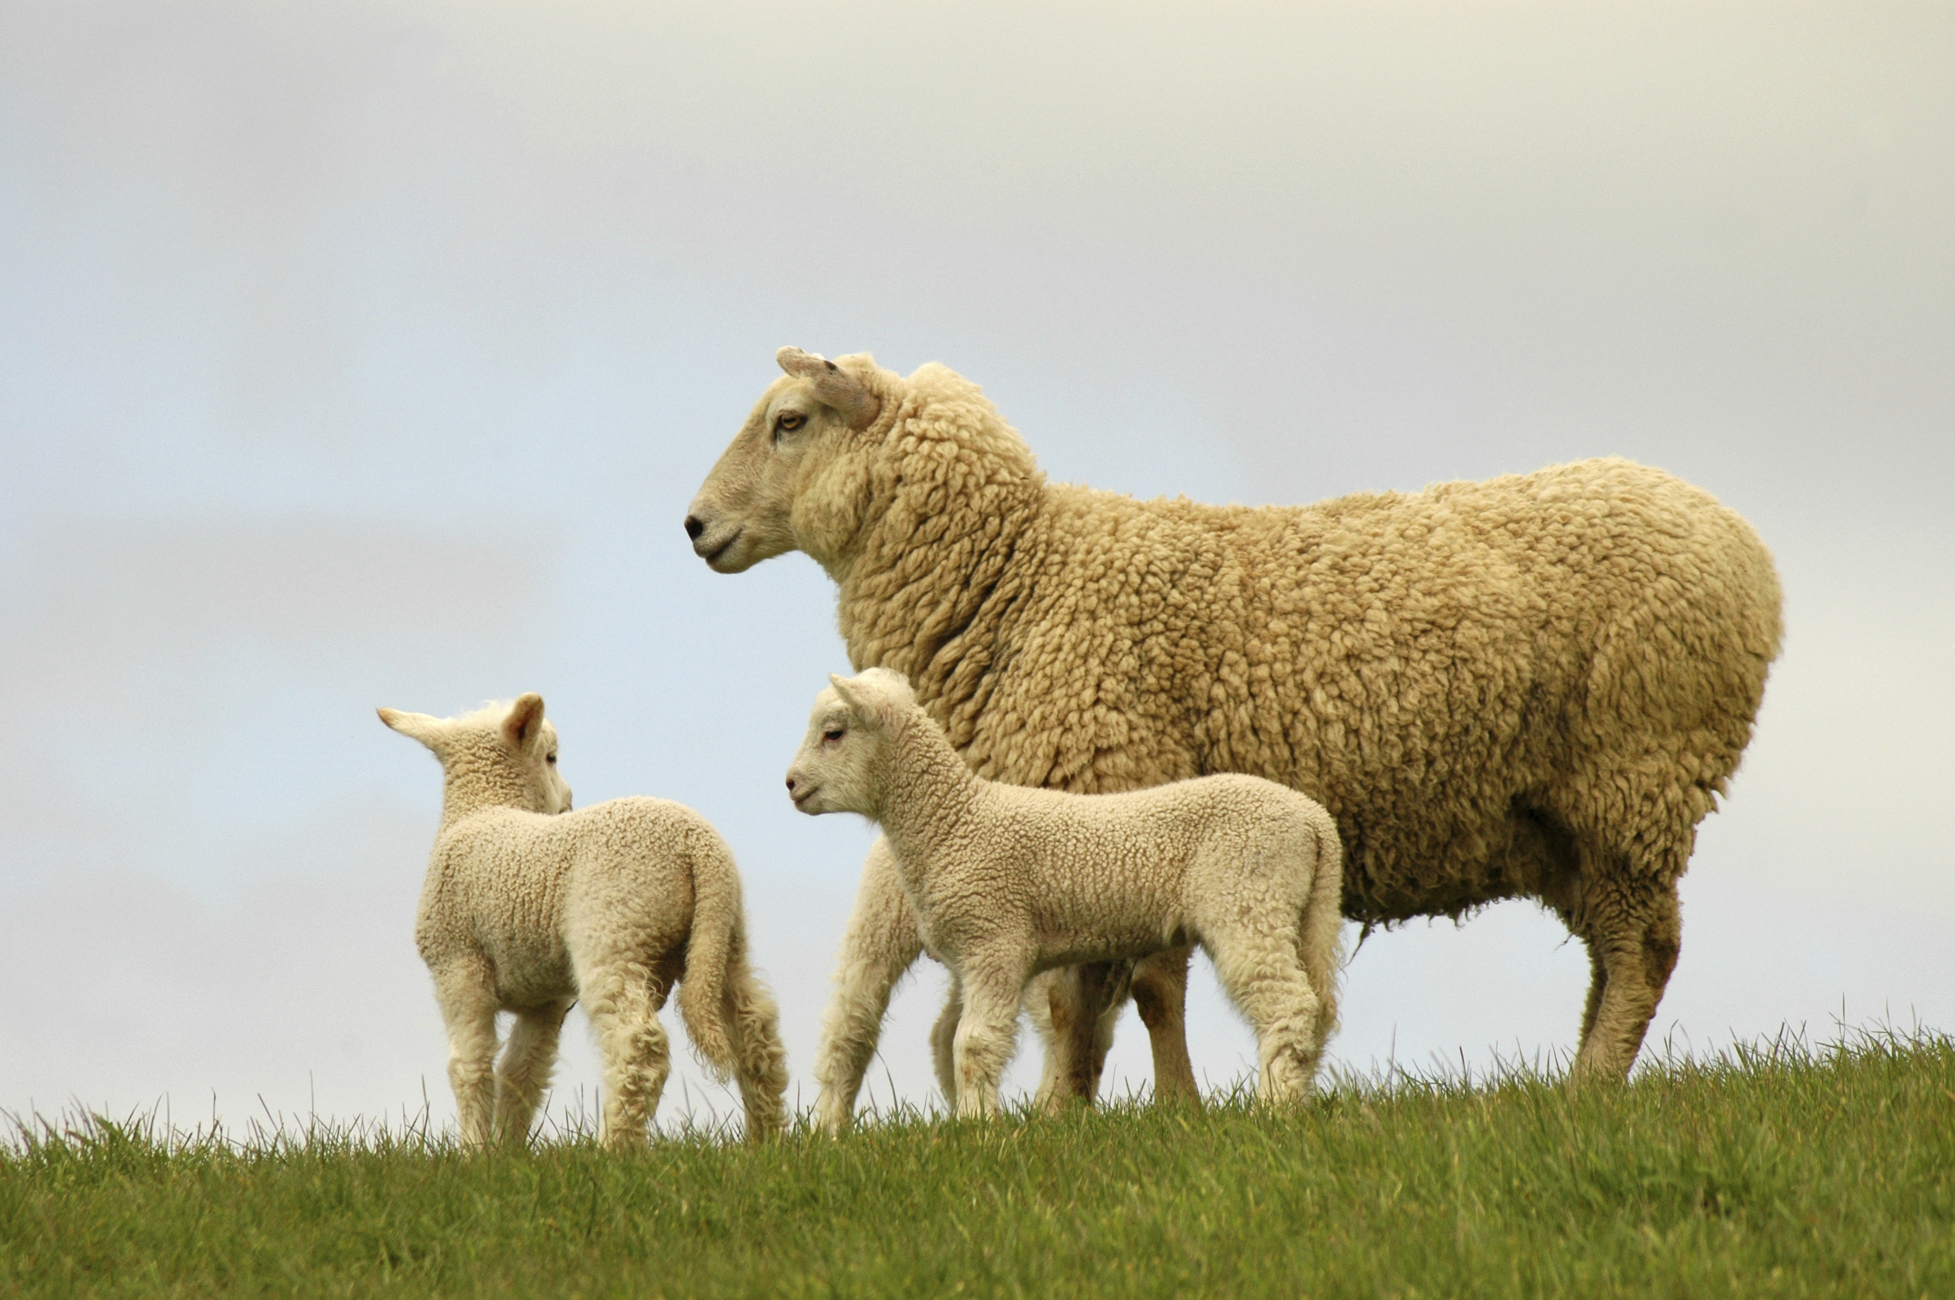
(1533,686)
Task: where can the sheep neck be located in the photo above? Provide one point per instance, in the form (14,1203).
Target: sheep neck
(927,794)
(927,568)
(477,775)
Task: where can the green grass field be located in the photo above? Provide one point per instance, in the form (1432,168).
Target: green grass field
(1776,1171)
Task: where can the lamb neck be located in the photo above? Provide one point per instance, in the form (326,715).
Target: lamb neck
(471,784)
(927,796)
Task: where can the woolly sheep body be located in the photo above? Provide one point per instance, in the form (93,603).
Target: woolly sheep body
(1007,881)
(1532,686)
(529,909)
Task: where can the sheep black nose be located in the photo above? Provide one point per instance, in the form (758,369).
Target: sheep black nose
(790,785)
(694,527)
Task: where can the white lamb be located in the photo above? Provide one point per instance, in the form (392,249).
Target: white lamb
(1007,881)
(529,907)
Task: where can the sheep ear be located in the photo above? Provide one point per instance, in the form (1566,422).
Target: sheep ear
(835,386)
(525,721)
(859,703)
(419,726)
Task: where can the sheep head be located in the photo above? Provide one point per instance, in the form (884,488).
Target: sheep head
(842,763)
(783,484)
(530,740)
(498,756)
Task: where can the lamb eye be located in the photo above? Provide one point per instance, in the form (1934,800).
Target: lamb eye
(789,421)
(833,733)
(551,759)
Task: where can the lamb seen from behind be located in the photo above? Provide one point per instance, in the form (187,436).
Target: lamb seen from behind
(529,907)
(1007,881)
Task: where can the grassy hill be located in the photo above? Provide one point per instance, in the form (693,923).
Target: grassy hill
(1776,1171)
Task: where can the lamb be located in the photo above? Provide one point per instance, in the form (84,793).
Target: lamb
(529,907)
(1534,686)
(1007,881)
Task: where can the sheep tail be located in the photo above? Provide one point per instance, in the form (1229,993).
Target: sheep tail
(1322,926)
(717,938)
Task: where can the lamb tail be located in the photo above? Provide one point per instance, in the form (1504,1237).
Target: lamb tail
(1322,927)
(716,937)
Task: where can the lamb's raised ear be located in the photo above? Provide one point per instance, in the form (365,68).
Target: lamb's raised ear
(861,703)
(835,386)
(863,698)
(420,726)
(525,721)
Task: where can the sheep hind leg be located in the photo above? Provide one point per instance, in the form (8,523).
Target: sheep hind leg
(1161,996)
(1598,983)
(623,1006)
(760,1059)
(524,1072)
(1264,977)
(468,1008)
(1634,930)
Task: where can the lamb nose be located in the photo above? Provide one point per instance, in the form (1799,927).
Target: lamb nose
(694,527)
(790,785)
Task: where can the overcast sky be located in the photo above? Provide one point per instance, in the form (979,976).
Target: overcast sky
(368,354)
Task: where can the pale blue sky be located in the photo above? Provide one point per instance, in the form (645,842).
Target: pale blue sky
(361,354)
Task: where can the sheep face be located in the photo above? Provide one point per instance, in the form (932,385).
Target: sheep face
(842,760)
(833,770)
(764,497)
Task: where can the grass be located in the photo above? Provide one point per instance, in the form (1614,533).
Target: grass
(1777,1170)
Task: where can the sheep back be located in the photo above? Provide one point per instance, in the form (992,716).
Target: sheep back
(513,886)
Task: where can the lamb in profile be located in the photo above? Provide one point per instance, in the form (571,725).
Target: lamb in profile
(1007,881)
(529,907)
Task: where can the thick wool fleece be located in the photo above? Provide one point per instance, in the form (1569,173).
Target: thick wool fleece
(1007,881)
(527,909)
(1533,686)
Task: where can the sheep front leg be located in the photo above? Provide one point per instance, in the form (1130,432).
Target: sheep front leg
(880,945)
(1161,997)
(467,997)
(1039,1000)
(1083,1004)
(987,1030)
(525,1069)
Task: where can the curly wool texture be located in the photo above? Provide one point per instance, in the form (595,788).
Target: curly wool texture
(528,909)
(1007,881)
(1531,686)
(1456,674)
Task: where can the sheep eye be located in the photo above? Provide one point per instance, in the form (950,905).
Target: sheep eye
(551,759)
(833,733)
(789,421)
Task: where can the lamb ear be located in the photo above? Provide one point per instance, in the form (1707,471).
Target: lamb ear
(525,720)
(859,703)
(419,726)
(835,386)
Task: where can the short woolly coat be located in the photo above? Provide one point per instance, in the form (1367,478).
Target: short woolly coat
(512,887)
